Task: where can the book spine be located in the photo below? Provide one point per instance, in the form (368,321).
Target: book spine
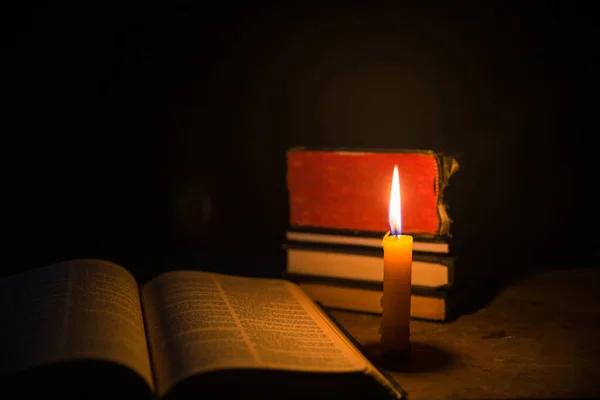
(371,251)
(420,244)
(316,230)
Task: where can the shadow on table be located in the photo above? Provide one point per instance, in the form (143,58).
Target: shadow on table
(476,290)
(479,296)
(423,357)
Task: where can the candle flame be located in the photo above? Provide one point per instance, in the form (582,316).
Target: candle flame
(395,215)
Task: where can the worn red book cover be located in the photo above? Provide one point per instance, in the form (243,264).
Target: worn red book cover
(350,190)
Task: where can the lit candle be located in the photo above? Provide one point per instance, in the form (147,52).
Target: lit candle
(397,267)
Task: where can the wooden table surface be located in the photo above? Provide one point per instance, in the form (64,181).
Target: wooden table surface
(537,339)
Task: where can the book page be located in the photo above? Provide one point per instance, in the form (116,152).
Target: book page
(80,309)
(198,321)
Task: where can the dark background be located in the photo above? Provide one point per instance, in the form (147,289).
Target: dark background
(155,135)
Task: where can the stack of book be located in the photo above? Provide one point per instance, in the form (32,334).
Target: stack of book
(339,203)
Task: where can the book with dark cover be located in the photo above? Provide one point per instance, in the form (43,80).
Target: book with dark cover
(87,329)
(349,189)
(365,264)
(429,304)
(421,243)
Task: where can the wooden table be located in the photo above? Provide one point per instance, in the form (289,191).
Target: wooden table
(538,339)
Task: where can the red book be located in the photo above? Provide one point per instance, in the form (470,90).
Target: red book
(350,190)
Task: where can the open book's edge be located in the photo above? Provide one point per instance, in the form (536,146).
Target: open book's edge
(385,380)
(384,377)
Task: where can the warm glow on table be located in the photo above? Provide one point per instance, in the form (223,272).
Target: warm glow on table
(397,269)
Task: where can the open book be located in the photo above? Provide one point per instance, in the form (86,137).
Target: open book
(86,327)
